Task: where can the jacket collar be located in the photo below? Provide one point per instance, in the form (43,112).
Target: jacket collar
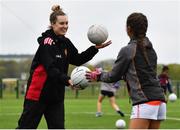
(50,33)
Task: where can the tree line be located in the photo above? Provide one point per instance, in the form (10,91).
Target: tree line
(14,69)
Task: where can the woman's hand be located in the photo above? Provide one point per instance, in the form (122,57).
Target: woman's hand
(70,82)
(103,45)
(93,75)
(72,86)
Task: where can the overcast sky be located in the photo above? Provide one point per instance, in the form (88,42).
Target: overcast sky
(22,21)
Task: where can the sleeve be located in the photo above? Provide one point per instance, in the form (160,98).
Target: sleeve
(169,87)
(119,68)
(47,60)
(81,58)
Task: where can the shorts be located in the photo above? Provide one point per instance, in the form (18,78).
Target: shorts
(149,111)
(107,93)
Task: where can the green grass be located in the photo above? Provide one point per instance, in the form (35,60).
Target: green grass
(80,113)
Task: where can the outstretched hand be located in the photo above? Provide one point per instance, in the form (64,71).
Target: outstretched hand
(103,45)
(93,75)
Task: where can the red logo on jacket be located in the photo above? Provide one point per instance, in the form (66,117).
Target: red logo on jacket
(48,41)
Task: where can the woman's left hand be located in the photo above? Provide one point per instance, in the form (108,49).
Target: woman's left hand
(103,45)
(72,86)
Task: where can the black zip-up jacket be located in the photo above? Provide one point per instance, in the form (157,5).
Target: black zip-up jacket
(141,78)
(48,74)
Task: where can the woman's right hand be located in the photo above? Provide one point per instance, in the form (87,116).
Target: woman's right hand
(93,75)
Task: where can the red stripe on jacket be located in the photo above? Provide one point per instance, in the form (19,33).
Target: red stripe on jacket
(37,83)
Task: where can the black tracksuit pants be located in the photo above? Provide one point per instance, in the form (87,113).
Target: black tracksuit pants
(34,110)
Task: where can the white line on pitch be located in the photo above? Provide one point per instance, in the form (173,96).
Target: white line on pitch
(91,113)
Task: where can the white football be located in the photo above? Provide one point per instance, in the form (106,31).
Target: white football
(78,76)
(172,97)
(97,34)
(120,124)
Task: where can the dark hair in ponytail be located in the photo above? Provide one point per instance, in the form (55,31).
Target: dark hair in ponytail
(138,24)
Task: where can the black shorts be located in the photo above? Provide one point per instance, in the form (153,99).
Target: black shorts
(107,93)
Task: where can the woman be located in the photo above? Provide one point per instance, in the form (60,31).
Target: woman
(108,89)
(165,80)
(48,74)
(137,64)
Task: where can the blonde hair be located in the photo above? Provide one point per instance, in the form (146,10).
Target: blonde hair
(56,12)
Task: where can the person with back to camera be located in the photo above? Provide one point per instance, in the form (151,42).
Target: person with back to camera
(137,64)
(165,80)
(108,89)
(48,74)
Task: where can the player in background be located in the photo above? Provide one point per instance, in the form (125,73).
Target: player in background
(165,80)
(108,89)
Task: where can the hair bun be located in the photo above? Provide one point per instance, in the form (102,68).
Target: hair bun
(55,8)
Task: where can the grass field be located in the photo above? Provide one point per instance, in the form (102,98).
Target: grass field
(80,113)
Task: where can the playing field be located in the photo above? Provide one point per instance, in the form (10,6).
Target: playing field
(80,113)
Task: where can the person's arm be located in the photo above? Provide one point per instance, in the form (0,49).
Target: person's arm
(119,69)
(47,60)
(78,59)
(169,87)
(81,58)
(116,85)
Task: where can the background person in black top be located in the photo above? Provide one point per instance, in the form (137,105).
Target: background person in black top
(48,74)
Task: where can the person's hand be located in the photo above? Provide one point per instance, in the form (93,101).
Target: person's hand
(72,86)
(93,75)
(103,45)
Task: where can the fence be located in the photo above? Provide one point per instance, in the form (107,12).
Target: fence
(15,88)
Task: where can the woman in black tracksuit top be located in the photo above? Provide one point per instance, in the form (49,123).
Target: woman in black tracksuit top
(48,74)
